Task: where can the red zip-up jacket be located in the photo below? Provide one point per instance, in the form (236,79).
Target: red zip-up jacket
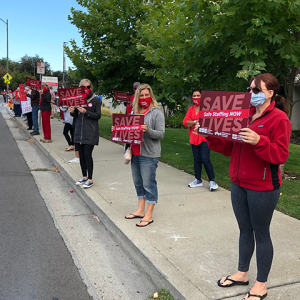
(256,167)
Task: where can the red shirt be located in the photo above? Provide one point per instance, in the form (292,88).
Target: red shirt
(191,115)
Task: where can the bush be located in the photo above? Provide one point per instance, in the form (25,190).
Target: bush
(106,112)
(175,121)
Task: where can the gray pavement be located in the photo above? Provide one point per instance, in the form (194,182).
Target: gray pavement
(193,241)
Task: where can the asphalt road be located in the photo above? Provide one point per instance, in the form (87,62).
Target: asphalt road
(51,245)
(35,262)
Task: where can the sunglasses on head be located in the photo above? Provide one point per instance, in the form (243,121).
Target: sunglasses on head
(255,89)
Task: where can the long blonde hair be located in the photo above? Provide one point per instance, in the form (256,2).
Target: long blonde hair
(136,106)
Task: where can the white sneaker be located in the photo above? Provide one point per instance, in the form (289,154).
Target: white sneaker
(74,160)
(81,181)
(213,185)
(195,183)
(87,184)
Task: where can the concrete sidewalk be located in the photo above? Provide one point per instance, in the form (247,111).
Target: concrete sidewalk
(193,241)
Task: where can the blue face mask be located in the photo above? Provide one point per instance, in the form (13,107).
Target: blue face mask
(258,99)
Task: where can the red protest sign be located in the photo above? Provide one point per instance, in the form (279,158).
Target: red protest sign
(23,96)
(122,96)
(73,97)
(33,83)
(128,129)
(224,114)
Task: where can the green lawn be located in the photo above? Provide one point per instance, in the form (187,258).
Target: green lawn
(177,152)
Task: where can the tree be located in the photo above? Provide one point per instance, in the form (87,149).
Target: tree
(109,56)
(29,64)
(222,44)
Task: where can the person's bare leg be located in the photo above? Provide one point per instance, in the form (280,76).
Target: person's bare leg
(148,216)
(140,211)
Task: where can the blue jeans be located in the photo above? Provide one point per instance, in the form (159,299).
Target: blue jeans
(35,114)
(143,171)
(201,154)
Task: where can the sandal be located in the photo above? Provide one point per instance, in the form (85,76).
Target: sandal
(234,282)
(257,296)
(134,216)
(142,221)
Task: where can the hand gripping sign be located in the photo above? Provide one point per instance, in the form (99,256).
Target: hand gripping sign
(33,83)
(128,129)
(73,97)
(224,114)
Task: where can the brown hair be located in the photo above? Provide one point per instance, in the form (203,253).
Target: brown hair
(272,84)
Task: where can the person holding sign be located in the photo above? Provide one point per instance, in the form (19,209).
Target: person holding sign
(200,149)
(86,133)
(145,157)
(46,113)
(256,179)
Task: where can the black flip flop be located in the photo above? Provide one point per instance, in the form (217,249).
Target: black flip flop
(148,222)
(134,217)
(257,296)
(234,282)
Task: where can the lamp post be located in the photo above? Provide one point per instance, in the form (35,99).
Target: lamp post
(64,64)
(7,86)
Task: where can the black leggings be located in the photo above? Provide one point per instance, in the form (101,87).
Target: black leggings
(69,128)
(86,159)
(253,211)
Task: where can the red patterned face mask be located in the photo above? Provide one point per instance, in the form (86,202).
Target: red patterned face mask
(87,91)
(145,102)
(44,89)
(196,101)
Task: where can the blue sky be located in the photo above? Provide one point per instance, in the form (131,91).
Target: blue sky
(37,27)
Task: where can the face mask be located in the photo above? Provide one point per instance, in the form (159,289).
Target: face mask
(44,89)
(196,101)
(87,91)
(145,102)
(258,99)
(134,90)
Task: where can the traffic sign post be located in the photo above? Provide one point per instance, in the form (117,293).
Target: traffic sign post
(40,69)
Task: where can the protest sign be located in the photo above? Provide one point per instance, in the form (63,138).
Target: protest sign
(224,114)
(122,96)
(73,97)
(33,83)
(51,81)
(23,96)
(26,106)
(128,129)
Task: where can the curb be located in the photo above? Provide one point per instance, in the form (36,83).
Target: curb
(159,278)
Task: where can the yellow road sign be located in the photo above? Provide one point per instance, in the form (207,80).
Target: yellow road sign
(7,77)
(7,81)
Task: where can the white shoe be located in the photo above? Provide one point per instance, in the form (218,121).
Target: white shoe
(213,185)
(81,181)
(74,160)
(195,183)
(88,184)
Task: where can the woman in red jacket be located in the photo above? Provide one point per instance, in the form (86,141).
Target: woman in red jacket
(256,179)
(200,148)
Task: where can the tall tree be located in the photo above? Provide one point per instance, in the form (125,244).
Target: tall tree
(222,44)
(29,64)
(108,56)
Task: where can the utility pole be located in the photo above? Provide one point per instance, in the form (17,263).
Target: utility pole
(64,64)
(7,85)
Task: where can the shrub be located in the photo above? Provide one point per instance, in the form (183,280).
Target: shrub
(106,112)
(175,121)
